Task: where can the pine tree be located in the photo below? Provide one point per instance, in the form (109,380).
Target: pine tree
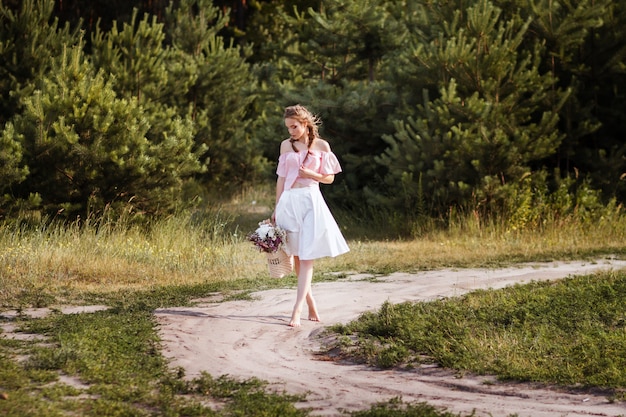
(218,96)
(12,170)
(268,30)
(136,55)
(346,40)
(493,117)
(30,38)
(146,69)
(586,50)
(86,148)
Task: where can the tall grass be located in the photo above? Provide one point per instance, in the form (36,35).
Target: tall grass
(47,260)
(107,256)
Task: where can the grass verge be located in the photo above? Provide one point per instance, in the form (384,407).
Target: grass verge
(571,332)
(115,369)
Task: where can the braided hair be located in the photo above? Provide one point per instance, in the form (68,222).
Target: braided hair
(304,116)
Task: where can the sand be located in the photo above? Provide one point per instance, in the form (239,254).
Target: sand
(251,338)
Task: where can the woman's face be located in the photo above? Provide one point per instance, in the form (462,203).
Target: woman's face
(296,129)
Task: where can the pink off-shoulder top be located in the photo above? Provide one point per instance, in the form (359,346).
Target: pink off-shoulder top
(322,162)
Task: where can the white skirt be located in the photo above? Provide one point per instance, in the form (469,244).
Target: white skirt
(312,231)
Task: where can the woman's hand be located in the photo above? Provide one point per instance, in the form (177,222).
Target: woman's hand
(308,173)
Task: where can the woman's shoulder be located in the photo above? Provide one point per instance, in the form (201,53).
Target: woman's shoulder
(321,145)
(285,146)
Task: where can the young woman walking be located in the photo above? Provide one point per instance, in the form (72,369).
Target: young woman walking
(305,161)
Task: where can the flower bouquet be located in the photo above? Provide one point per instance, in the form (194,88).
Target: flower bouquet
(270,239)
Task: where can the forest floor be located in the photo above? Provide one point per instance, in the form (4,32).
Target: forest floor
(251,338)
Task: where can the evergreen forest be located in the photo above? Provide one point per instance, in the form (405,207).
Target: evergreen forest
(504,108)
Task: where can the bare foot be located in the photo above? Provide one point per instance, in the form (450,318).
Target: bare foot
(313,316)
(295,320)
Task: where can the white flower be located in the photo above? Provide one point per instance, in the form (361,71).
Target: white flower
(268,237)
(264,231)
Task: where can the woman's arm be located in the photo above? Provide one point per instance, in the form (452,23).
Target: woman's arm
(280,187)
(308,173)
(327,179)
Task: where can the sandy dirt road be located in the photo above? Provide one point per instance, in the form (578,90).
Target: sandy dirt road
(245,339)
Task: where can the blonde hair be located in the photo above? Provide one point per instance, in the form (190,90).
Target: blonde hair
(304,116)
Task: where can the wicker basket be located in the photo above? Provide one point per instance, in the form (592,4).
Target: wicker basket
(279,263)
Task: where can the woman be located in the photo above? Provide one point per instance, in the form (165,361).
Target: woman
(305,161)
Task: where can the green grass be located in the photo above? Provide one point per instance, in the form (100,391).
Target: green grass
(116,354)
(396,408)
(569,333)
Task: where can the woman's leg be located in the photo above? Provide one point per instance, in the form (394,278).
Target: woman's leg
(313,314)
(296,265)
(305,276)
